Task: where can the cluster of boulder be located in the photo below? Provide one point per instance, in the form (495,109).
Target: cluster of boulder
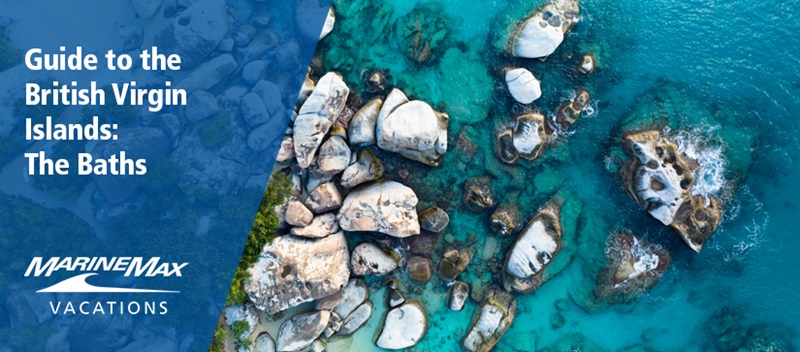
(660,179)
(633,266)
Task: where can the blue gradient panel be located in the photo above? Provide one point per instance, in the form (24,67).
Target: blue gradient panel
(140,262)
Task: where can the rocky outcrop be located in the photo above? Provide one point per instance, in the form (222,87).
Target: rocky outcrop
(361,129)
(660,180)
(403,327)
(300,331)
(367,167)
(569,112)
(633,266)
(434,219)
(387,207)
(506,218)
(195,33)
(504,146)
(317,115)
(522,85)
(490,321)
(369,259)
(324,198)
(453,263)
(321,226)
(478,195)
(535,247)
(293,270)
(530,135)
(540,35)
(420,269)
(412,129)
(457,296)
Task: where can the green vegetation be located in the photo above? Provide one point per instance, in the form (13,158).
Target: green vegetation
(10,55)
(215,131)
(263,231)
(239,328)
(218,341)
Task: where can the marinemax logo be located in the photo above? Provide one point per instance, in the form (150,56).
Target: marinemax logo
(88,267)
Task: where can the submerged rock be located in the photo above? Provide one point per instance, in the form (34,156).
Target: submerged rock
(504,146)
(434,219)
(522,85)
(317,115)
(587,64)
(633,266)
(361,129)
(506,218)
(387,207)
(453,263)
(478,195)
(421,32)
(367,167)
(490,321)
(301,330)
(457,296)
(412,129)
(403,327)
(293,270)
(530,135)
(660,180)
(420,269)
(540,35)
(369,259)
(535,247)
(570,111)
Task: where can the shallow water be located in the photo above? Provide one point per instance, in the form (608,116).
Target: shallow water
(729,70)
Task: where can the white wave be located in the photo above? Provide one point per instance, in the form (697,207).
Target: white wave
(709,155)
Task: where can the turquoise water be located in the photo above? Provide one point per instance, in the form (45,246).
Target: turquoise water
(724,71)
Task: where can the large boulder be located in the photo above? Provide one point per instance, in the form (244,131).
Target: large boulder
(367,167)
(530,135)
(369,259)
(535,247)
(361,129)
(324,198)
(633,266)
(356,319)
(453,263)
(354,294)
(321,226)
(333,158)
(300,331)
(195,33)
(490,321)
(264,343)
(413,130)
(297,214)
(387,207)
(522,85)
(506,218)
(540,35)
(660,180)
(293,270)
(317,115)
(403,327)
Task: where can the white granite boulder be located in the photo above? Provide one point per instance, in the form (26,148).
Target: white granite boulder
(403,327)
(535,247)
(369,259)
(542,33)
(367,167)
(300,331)
(321,226)
(387,207)
(412,129)
(361,129)
(522,85)
(317,115)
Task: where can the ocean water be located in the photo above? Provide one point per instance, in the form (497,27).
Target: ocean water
(726,76)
